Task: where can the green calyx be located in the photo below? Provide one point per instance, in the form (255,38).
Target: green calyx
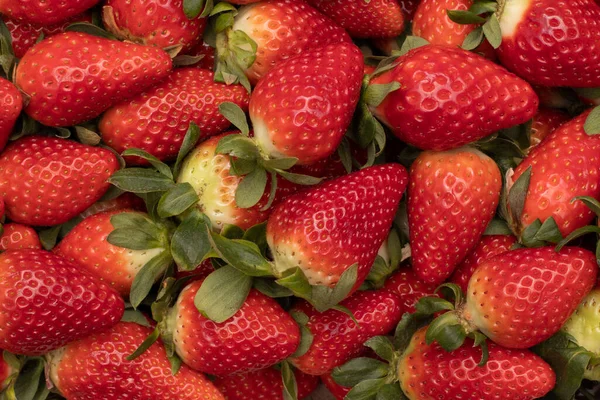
(592,123)
(236,52)
(484,13)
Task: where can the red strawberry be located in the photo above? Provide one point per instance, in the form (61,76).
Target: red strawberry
(546,121)
(45,12)
(208,53)
(156,121)
(11,104)
(63,303)
(409,288)
(93,74)
(259,335)
(364,19)
(409,7)
(304,105)
(126,200)
(6,372)
(428,372)
(452,196)
(264,384)
(488,247)
(200,272)
(97,368)
(337,338)
(338,391)
(449,97)
(328,228)
(47,181)
(153,22)
(17,236)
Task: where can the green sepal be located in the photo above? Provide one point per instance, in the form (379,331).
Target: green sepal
(290,386)
(280,163)
(430,305)
(576,234)
(408,325)
(411,43)
(30,384)
(190,242)
(90,29)
(464,17)
(234,114)
(447,330)
(382,346)
(136,317)
(306,336)
(270,288)
(480,340)
(272,191)
(223,21)
(483,7)
(167,294)
(451,291)
(518,194)
(366,390)
(251,188)
(147,276)
(590,202)
(238,146)
(194,8)
(241,254)
(379,273)
(133,239)
(549,232)
(359,369)
(528,235)
(592,123)
(492,31)
(376,93)
(49,237)
(133,220)
(390,391)
(300,179)
(192,135)
(149,341)
(473,39)
(155,162)
(87,136)
(184,60)
(177,200)
(140,180)
(497,227)
(241,166)
(231,231)
(345,154)
(7,56)
(222,7)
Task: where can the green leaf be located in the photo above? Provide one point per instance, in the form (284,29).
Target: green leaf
(234,114)
(133,220)
(193,8)
(272,191)
(473,39)
(61,132)
(464,17)
(518,194)
(375,93)
(186,60)
(28,380)
(87,136)
(592,123)
(394,245)
(147,276)
(222,7)
(241,254)
(49,237)
(430,305)
(243,48)
(379,272)
(483,7)
(140,180)
(149,341)
(359,369)
(481,340)
(451,291)
(295,280)
(497,227)
(366,390)
(189,142)
(268,287)
(405,329)
(223,293)
(345,154)
(90,29)
(280,163)
(447,330)
(251,188)
(240,166)
(549,232)
(290,386)
(576,234)
(590,202)
(324,297)
(155,162)
(177,200)
(190,242)
(135,317)
(411,43)
(133,239)
(382,346)
(492,31)
(299,178)
(528,238)
(391,391)
(238,146)
(306,338)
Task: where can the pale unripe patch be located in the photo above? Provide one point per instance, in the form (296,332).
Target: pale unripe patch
(513,13)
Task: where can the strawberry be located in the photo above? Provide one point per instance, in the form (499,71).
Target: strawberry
(328,228)
(63,303)
(153,23)
(361,19)
(208,53)
(452,196)
(259,335)
(488,247)
(338,391)
(304,105)
(126,200)
(97,368)
(409,7)
(546,121)
(449,97)
(204,269)
(264,384)
(46,12)
(17,236)
(93,74)
(337,338)
(11,104)
(156,120)
(409,288)
(47,181)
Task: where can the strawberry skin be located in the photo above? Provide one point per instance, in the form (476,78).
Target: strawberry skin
(126,200)
(546,121)
(17,236)
(533,30)
(409,288)
(47,181)
(264,384)
(96,368)
(449,97)
(11,104)
(522,297)
(337,338)
(44,12)
(63,302)
(428,372)
(338,391)
(304,105)
(156,121)
(260,334)
(362,19)
(93,74)
(452,196)
(326,229)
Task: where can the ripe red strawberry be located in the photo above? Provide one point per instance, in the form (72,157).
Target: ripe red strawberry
(546,121)
(409,7)
(452,196)
(409,288)
(156,120)
(533,30)
(63,302)
(362,19)
(204,269)
(260,334)
(449,97)
(488,247)
(93,74)
(153,22)
(203,49)
(17,236)
(338,391)
(304,105)
(11,104)
(47,181)
(126,200)
(97,368)
(336,338)
(428,372)
(264,384)
(328,228)
(565,165)
(45,12)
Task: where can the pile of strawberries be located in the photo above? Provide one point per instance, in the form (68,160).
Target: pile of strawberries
(299,199)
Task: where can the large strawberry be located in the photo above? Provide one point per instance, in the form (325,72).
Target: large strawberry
(73,77)
(452,196)
(409,288)
(97,368)
(125,201)
(44,12)
(17,236)
(156,120)
(449,97)
(47,181)
(11,104)
(62,302)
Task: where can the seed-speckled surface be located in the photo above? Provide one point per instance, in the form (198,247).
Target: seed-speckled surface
(96,368)
(409,288)
(431,373)
(47,181)
(11,104)
(17,236)
(546,121)
(452,196)
(44,12)
(449,97)
(46,302)
(522,297)
(259,335)
(73,77)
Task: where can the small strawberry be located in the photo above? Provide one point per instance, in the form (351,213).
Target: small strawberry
(47,181)
(409,288)
(17,236)
(452,196)
(338,391)
(63,303)
(11,104)
(45,12)
(362,19)
(97,367)
(126,200)
(546,121)
(156,120)
(449,97)
(93,74)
